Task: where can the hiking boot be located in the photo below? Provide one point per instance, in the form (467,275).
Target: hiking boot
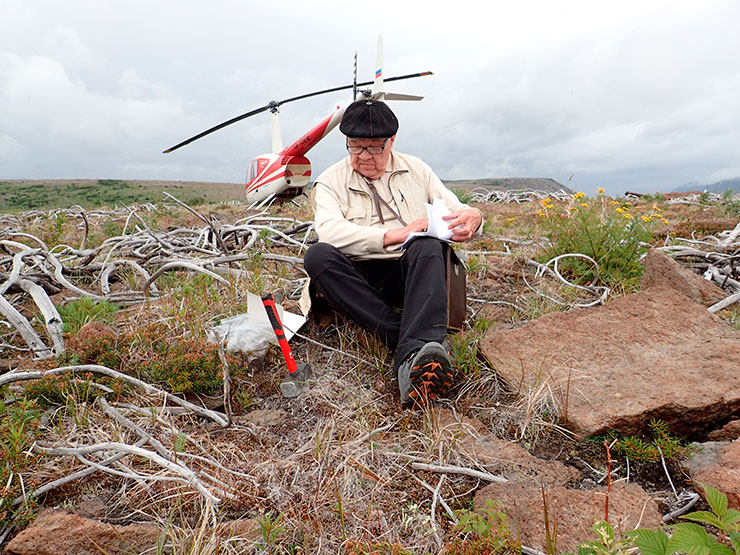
(425,375)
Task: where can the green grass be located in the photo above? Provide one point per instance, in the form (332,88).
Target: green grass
(24,195)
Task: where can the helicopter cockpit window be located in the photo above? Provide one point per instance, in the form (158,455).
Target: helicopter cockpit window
(253,170)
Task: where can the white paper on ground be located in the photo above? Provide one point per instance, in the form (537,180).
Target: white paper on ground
(252,332)
(437,226)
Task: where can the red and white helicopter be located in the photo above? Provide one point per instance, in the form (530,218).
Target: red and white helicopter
(286,171)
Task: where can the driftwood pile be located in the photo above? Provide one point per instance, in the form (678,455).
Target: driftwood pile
(717,258)
(491,196)
(29,268)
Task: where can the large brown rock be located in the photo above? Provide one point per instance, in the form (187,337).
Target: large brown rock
(653,354)
(717,465)
(573,512)
(662,270)
(59,533)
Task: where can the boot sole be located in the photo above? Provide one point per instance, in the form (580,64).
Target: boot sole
(431,375)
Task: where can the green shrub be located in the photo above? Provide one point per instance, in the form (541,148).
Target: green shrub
(183,367)
(483,531)
(64,389)
(463,195)
(607,231)
(19,426)
(649,451)
(85,309)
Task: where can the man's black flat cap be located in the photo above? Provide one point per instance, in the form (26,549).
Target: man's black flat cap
(369,119)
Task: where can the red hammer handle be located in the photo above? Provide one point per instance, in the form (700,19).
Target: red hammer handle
(269,302)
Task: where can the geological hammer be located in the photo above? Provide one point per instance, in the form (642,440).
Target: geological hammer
(298,374)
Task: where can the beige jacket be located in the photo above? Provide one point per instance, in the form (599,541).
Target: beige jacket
(343,205)
(344,211)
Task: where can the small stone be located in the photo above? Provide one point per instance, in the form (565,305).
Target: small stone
(717,464)
(262,417)
(728,432)
(499,457)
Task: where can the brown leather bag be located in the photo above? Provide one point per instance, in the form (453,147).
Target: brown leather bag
(456,290)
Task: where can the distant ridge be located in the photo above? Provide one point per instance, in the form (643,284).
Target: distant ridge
(509,184)
(732,184)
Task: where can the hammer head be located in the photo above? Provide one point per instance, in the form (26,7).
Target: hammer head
(292,385)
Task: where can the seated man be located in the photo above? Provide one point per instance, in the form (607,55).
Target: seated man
(365,207)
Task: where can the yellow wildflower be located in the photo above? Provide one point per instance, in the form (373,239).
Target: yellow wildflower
(646,219)
(584,205)
(579,195)
(509,220)
(600,190)
(614,202)
(540,213)
(620,210)
(628,215)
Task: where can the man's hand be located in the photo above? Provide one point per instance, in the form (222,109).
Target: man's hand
(398,236)
(464,223)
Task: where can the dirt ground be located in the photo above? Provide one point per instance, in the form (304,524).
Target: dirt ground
(335,466)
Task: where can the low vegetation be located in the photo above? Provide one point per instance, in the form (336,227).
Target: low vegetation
(332,470)
(722,536)
(19,195)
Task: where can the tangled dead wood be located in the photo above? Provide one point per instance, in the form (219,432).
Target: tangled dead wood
(492,196)
(715,257)
(32,270)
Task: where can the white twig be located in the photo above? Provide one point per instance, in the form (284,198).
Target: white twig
(11,377)
(433,509)
(693,498)
(665,468)
(186,473)
(458,470)
(442,502)
(364,438)
(24,327)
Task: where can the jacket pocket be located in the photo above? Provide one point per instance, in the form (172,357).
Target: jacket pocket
(359,209)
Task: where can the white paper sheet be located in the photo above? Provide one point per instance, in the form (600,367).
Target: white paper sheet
(437,226)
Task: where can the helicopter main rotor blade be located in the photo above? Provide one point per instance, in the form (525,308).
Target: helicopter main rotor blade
(216,128)
(274,105)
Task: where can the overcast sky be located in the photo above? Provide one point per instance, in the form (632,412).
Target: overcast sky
(626,95)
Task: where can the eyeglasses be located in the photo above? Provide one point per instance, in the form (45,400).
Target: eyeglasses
(375,149)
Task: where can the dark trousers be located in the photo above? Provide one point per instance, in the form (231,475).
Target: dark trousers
(371,291)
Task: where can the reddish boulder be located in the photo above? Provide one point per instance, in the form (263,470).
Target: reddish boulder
(662,270)
(653,354)
(572,512)
(502,458)
(57,533)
